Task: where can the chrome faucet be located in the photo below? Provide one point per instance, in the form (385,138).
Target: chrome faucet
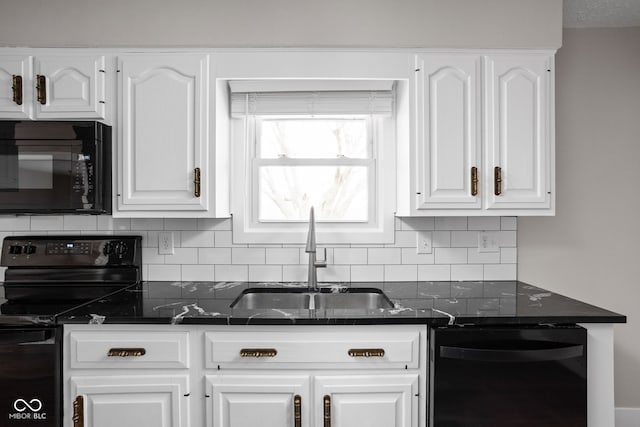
(312,281)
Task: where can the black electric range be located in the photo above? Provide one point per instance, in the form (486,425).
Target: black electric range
(47,276)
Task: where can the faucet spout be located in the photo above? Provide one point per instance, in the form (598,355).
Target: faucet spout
(312,279)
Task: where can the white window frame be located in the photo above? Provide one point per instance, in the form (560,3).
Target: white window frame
(382,198)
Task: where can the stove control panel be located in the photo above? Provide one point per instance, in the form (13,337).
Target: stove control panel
(71,251)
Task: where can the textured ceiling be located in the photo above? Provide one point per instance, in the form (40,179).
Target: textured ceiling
(601,13)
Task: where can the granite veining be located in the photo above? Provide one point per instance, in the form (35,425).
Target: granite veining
(434,303)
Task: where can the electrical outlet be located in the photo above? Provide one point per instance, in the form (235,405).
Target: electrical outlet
(424,243)
(487,242)
(165,243)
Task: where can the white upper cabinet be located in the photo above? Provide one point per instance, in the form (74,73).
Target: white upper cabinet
(482,136)
(166,142)
(448,134)
(518,131)
(54,86)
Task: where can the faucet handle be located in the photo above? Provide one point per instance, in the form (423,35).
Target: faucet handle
(321,263)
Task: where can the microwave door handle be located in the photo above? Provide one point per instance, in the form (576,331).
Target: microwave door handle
(508,355)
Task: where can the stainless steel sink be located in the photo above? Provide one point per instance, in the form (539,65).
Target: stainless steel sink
(256,299)
(302,299)
(369,300)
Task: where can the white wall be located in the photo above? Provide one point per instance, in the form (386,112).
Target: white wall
(277,23)
(591,249)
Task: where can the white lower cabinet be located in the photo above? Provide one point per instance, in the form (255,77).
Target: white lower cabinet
(244,376)
(131,400)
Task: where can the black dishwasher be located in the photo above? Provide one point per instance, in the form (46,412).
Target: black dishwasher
(508,376)
(29,374)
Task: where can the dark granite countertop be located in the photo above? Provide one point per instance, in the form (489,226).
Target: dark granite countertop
(433,303)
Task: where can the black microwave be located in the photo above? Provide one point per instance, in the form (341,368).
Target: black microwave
(55,167)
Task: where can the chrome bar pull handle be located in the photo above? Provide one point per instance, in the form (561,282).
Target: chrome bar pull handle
(497,180)
(41,88)
(17,89)
(78,412)
(297,411)
(474,181)
(196,182)
(327,411)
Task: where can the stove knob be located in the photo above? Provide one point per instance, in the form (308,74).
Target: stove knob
(29,249)
(15,250)
(108,248)
(121,248)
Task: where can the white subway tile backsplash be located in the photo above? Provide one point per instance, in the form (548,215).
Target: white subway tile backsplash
(197,239)
(80,222)
(198,273)
(508,223)
(434,272)
(464,239)
(265,273)
(400,273)
(214,255)
(232,273)
(484,223)
(334,273)
(147,224)
(350,256)
(151,256)
(451,223)
(248,255)
(47,223)
(180,224)
(367,273)
(467,272)
(422,224)
(164,272)
(410,256)
(475,257)
(508,255)
(450,255)
(384,256)
(183,256)
(205,246)
(294,273)
(15,223)
(441,239)
(500,272)
(282,256)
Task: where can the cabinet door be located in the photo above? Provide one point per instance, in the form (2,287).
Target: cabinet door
(74,87)
(367,400)
(15,103)
(258,400)
(164,116)
(448,134)
(130,401)
(519,131)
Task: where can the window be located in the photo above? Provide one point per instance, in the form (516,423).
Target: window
(330,150)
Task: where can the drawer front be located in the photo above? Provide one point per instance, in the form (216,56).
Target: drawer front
(128,349)
(297,349)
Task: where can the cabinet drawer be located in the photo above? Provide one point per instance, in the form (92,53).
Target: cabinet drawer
(128,349)
(336,349)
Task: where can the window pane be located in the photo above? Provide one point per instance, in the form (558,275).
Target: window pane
(286,193)
(313,138)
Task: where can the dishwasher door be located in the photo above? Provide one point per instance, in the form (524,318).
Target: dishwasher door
(508,377)
(29,377)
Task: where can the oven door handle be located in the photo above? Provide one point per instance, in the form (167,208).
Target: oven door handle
(24,337)
(511,355)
